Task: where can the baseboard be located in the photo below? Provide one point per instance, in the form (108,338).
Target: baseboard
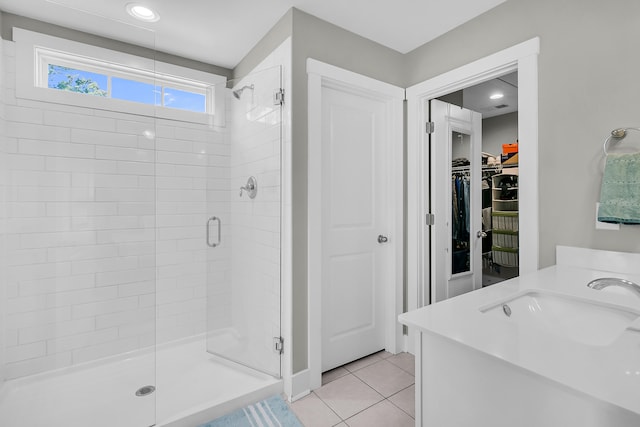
(409,340)
(299,385)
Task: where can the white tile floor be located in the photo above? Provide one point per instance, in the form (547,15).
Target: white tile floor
(376,391)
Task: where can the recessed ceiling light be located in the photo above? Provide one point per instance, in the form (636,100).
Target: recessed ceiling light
(142,13)
(496,96)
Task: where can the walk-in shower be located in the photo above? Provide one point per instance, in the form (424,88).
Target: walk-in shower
(116,311)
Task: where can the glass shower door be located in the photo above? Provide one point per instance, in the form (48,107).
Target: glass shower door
(243,227)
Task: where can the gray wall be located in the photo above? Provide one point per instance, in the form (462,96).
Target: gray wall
(314,38)
(499,130)
(3,254)
(588,84)
(274,38)
(317,39)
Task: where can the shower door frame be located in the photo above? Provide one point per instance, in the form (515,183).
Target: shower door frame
(281,155)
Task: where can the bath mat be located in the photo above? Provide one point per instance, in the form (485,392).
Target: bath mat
(271,412)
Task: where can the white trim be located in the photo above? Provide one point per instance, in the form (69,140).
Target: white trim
(350,78)
(420,382)
(314,233)
(33,49)
(320,74)
(475,72)
(300,385)
(523,58)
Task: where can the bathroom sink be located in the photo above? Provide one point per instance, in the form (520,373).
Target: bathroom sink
(581,320)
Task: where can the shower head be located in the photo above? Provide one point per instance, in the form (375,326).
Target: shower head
(237,93)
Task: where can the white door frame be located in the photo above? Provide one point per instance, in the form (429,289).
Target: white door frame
(522,58)
(320,74)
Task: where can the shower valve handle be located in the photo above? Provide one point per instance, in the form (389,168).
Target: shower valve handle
(251,187)
(248,188)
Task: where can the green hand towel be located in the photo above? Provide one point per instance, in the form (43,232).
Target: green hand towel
(620,194)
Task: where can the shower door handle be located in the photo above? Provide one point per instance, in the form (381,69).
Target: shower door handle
(209,221)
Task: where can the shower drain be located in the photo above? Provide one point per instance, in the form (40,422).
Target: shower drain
(143,391)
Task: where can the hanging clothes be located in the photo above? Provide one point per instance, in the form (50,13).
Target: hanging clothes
(460,222)
(454,211)
(460,214)
(467,203)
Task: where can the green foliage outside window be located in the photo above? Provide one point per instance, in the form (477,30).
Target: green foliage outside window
(72,80)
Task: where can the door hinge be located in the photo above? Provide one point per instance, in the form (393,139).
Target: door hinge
(278,97)
(278,345)
(431,219)
(430,127)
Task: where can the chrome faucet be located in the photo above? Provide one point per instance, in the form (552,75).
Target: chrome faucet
(604,282)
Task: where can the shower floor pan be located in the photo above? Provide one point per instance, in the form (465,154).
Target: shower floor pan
(192,387)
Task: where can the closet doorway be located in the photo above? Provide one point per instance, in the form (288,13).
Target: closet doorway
(474,187)
(521,58)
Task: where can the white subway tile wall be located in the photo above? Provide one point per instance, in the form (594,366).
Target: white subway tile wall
(105,230)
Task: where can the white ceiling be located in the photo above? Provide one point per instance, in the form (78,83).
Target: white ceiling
(222,32)
(476,98)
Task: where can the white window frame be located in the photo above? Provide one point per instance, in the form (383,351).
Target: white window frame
(35,51)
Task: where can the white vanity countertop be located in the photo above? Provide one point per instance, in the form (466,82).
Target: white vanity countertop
(607,372)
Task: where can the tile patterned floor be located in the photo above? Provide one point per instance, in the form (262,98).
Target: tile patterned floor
(375,391)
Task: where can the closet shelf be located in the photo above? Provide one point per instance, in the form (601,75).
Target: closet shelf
(504,218)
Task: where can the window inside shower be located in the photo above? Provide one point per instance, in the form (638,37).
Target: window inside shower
(87,76)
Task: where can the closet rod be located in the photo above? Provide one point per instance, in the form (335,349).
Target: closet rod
(467,168)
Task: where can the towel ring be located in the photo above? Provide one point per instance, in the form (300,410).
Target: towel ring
(619,134)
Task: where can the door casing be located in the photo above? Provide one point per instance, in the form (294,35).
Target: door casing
(522,58)
(320,74)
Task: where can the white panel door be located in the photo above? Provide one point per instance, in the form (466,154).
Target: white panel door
(456,245)
(354,215)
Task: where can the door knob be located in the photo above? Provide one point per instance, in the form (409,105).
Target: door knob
(382,239)
(481,234)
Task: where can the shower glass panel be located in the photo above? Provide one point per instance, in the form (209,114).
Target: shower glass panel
(461,203)
(243,258)
(79,312)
